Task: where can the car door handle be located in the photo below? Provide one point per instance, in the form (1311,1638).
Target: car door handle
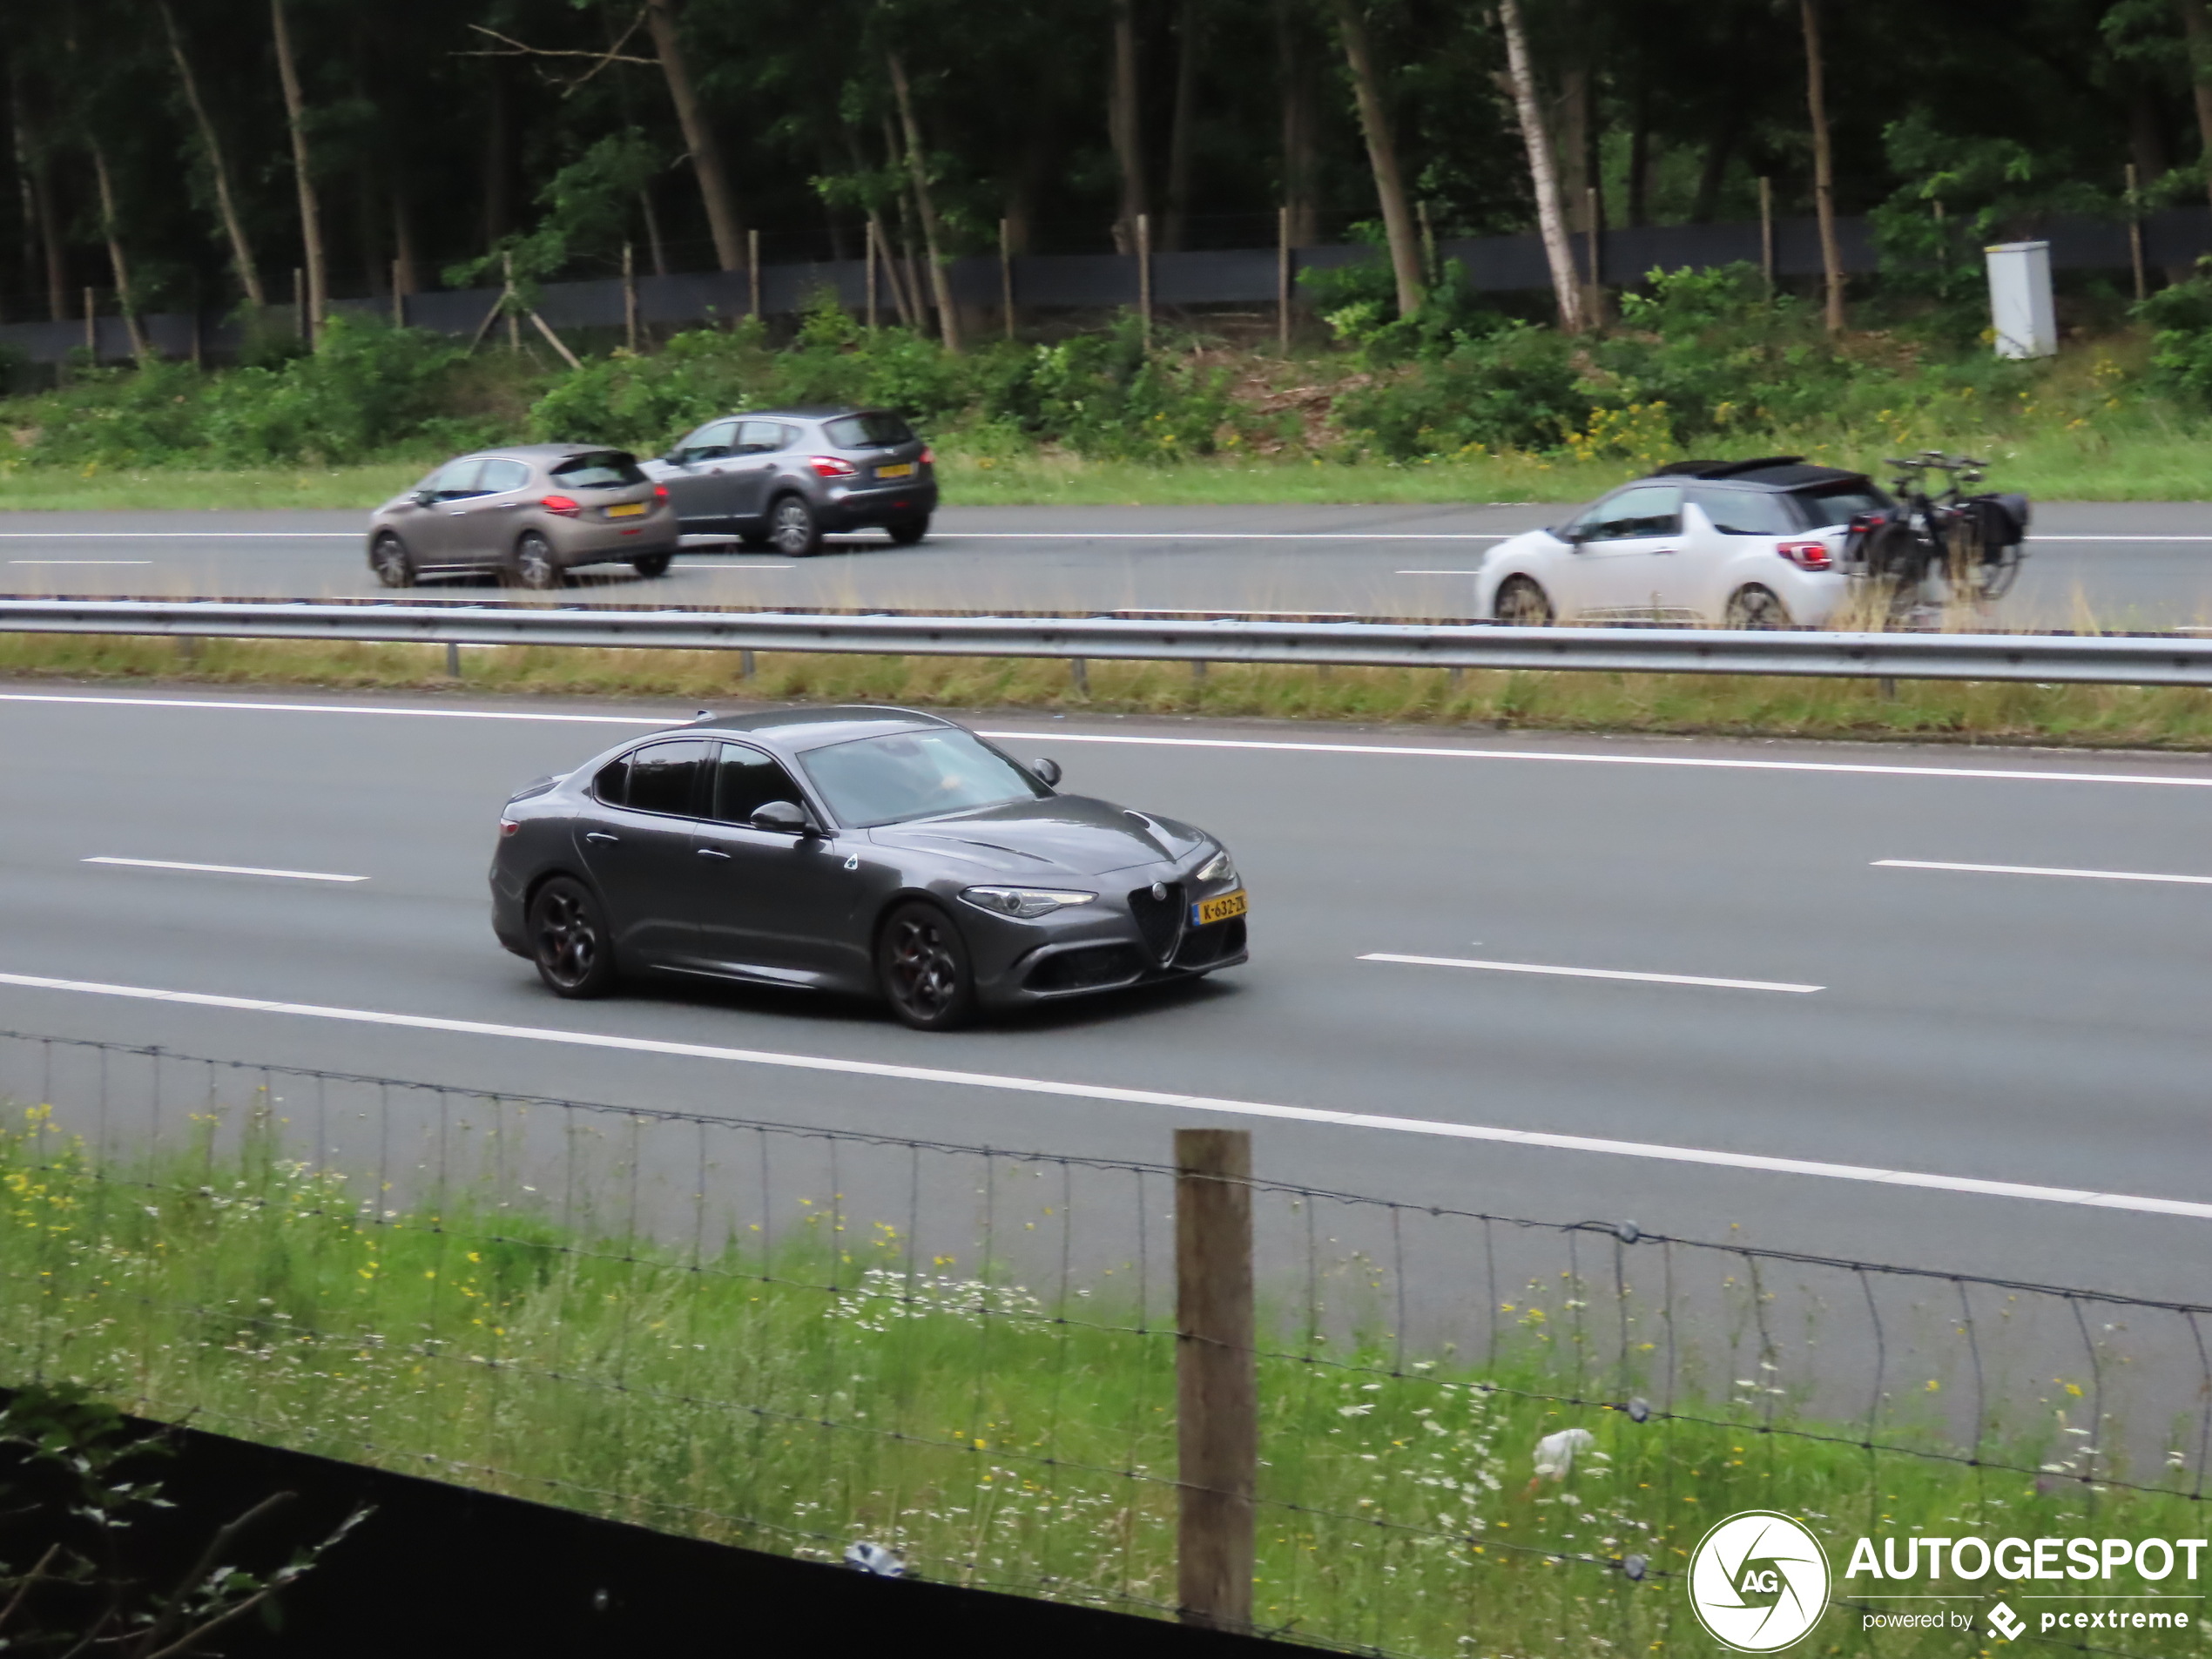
(602,836)
(713,852)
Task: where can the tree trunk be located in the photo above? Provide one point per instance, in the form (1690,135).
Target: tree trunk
(1639,203)
(1301,145)
(699,138)
(884,249)
(1720,149)
(125,300)
(2196,29)
(40,220)
(318,295)
(1382,158)
(1185,117)
(1823,167)
(249,273)
(939,279)
(1566,287)
(407,265)
(1123,128)
(498,183)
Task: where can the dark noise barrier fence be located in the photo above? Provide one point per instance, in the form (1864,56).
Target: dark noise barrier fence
(1469,1431)
(2173,238)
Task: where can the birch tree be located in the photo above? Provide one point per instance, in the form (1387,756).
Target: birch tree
(1551,223)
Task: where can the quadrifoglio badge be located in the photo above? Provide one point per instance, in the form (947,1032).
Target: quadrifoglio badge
(1760,1580)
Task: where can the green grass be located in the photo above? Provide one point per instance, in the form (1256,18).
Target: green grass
(800,1393)
(1681,705)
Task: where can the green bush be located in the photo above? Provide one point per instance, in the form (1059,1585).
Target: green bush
(2180,319)
(1519,390)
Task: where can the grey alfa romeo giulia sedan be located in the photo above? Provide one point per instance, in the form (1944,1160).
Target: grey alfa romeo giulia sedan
(867,850)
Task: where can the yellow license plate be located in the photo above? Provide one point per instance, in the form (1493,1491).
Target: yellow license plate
(904,469)
(1207,911)
(627,509)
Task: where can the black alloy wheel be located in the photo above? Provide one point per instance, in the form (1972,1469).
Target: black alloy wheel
(921,964)
(793,529)
(1522,603)
(569,940)
(534,566)
(389,559)
(1757,607)
(907,531)
(652,564)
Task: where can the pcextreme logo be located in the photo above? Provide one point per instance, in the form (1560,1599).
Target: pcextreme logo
(1758,1582)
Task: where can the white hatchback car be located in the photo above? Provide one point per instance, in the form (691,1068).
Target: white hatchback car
(1732,544)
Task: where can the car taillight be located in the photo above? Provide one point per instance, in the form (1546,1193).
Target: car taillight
(1806,555)
(929,456)
(831,467)
(660,492)
(564,505)
(507,826)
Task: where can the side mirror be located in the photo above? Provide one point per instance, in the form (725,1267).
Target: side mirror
(423,497)
(782,818)
(1046,770)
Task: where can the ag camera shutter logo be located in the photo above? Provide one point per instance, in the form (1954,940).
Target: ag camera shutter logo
(1758,1582)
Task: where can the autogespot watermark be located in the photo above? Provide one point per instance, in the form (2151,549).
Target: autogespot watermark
(1759,1582)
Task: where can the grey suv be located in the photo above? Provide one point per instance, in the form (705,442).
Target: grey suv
(532,513)
(782,478)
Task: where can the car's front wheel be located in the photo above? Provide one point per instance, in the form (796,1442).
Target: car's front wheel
(1757,607)
(1522,603)
(922,966)
(794,528)
(390,561)
(652,564)
(534,567)
(568,933)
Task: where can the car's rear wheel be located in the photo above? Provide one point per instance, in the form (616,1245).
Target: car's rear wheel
(1757,607)
(907,531)
(389,558)
(652,564)
(793,529)
(922,966)
(1522,603)
(568,933)
(534,566)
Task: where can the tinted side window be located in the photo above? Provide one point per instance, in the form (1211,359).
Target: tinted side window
(499,476)
(759,438)
(1746,512)
(1640,511)
(456,479)
(745,780)
(663,775)
(1827,508)
(612,784)
(712,439)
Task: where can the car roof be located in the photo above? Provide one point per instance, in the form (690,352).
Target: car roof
(1764,472)
(796,730)
(541,451)
(807,411)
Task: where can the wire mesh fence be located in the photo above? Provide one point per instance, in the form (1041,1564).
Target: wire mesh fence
(1477,1432)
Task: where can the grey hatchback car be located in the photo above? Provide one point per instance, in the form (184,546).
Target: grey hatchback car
(532,513)
(782,478)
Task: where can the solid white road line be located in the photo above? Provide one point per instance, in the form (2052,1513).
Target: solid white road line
(2029,869)
(172,535)
(1966,1184)
(2040,536)
(1591,973)
(75,561)
(1227,536)
(340,708)
(1436,573)
(1056,736)
(226,869)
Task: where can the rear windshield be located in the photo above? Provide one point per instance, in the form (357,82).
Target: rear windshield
(608,469)
(1825,508)
(875,430)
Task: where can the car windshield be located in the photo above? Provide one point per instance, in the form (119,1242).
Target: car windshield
(876,429)
(608,469)
(914,774)
(1824,508)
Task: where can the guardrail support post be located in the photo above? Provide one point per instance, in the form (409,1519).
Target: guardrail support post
(452,659)
(1217,1377)
(1079,672)
(745,665)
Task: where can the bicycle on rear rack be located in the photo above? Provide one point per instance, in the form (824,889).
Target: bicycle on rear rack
(1939,547)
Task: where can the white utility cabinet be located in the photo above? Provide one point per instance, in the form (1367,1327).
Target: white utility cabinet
(2020,310)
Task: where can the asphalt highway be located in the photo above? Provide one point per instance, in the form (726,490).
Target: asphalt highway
(2117,565)
(1763,952)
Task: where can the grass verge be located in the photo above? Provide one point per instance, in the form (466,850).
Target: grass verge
(800,1391)
(1674,705)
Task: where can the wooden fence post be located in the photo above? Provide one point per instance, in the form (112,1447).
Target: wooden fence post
(300,325)
(1593,312)
(1145,275)
(92,328)
(1766,231)
(511,302)
(752,270)
(2135,235)
(1006,275)
(1283,281)
(872,263)
(399,296)
(1217,1377)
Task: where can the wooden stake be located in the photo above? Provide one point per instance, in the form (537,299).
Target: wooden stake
(629,298)
(2135,235)
(399,299)
(300,305)
(1217,1378)
(1428,244)
(1766,231)
(1145,275)
(873,256)
(752,270)
(509,301)
(1283,281)
(553,339)
(92,328)
(1006,275)
(1595,308)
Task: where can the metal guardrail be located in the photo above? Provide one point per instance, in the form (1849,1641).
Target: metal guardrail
(2127,660)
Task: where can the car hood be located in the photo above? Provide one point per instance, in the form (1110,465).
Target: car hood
(1029,840)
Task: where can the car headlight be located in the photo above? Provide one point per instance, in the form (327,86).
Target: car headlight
(1029,903)
(1218,867)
